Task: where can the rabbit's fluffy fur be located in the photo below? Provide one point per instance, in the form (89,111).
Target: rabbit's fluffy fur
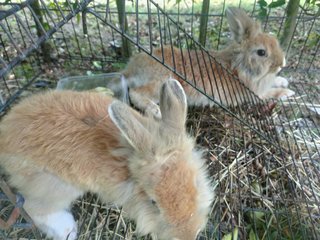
(58,145)
(145,75)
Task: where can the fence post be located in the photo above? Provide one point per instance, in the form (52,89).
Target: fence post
(126,48)
(45,46)
(290,23)
(204,22)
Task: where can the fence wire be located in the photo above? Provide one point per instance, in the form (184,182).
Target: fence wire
(263,156)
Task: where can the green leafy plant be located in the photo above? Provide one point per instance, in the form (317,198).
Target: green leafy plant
(264,6)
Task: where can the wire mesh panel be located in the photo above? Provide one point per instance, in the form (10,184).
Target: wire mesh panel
(25,27)
(263,156)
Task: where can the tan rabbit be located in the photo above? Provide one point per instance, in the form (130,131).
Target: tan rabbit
(255,57)
(58,145)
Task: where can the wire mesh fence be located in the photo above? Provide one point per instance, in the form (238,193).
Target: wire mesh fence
(263,155)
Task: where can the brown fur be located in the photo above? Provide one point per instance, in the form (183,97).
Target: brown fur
(179,206)
(100,136)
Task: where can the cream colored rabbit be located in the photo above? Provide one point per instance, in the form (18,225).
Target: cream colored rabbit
(255,57)
(57,145)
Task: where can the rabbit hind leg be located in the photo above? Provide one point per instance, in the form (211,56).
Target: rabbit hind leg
(47,200)
(58,225)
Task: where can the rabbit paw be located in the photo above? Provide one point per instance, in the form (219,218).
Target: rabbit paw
(278,93)
(286,94)
(153,110)
(281,82)
(58,225)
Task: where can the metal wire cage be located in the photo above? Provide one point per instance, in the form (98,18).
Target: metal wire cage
(263,156)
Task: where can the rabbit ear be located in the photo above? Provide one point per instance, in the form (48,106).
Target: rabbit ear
(241,25)
(130,123)
(173,104)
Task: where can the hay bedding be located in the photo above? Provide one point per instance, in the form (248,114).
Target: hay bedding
(260,186)
(266,187)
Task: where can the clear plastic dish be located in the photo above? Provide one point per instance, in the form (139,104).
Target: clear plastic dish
(83,83)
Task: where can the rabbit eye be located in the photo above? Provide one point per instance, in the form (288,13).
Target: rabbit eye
(261,52)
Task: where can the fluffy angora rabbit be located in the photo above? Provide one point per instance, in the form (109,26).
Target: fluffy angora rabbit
(253,56)
(55,146)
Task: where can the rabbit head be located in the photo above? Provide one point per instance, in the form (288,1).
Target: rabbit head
(253,53)
(173,191)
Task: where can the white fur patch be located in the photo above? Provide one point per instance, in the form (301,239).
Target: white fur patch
(59,225)
(280,82)
(288,94)
(284,62)
(278,69)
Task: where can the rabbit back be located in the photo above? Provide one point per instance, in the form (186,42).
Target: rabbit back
(201,71)
(67,134)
